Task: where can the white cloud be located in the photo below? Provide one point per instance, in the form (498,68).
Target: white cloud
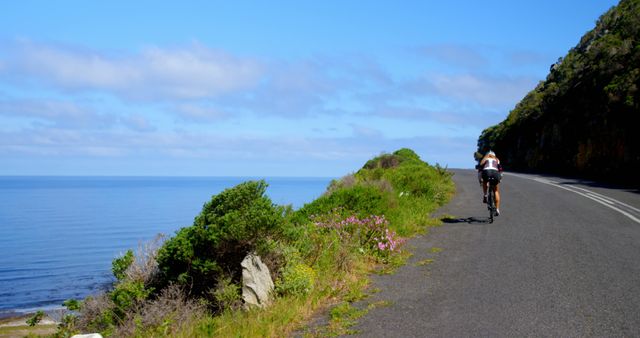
(65,114)
(185,145)
(522,58)
(461,117)
(457,55)
(194,71)
(490,92)
(56,113)
(317,86)
(198,71)
(199,112)
(361,131)
(202,85)
(74,68)
(137,123)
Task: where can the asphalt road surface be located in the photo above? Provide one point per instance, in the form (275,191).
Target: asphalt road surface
(562,260)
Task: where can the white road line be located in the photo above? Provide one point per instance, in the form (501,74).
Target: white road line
(609,198)
(604,200)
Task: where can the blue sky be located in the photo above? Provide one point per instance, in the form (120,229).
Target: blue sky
(282,88)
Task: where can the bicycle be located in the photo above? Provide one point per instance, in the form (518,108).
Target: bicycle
(491,198)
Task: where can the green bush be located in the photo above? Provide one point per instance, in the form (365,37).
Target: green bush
(297,279)
(227,294)
(387,161)
(72,304)
(360,199)
(120,265)
(234,223)
(127,294)
(35,319)
(408,155)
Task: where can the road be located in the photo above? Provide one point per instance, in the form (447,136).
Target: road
(561,260)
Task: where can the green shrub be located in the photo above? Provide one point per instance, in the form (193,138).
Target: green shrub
(414,179)
(72,304)
(384,161)
(105,322)
(35,319)
(387,161)
(297,279)
(120,265)
(408,155)
(360,199)
(234,223)
(227,294)
(127,294)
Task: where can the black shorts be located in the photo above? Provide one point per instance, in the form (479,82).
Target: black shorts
(491,175)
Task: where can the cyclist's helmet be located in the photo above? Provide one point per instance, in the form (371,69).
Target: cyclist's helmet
(490,152)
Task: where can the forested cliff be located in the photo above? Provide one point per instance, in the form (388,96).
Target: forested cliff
(583,119)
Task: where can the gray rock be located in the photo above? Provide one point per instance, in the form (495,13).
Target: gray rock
(257,285)
(90,335)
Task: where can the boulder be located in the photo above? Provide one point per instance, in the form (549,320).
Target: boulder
(257,285)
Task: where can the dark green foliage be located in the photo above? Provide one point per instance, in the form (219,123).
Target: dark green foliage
(127,293)
(227,294)
(120,265)
(386,161)
(377,168)
(66,327)
(408,155)
(36,318)
(72,304)
(231,225)
(581,119)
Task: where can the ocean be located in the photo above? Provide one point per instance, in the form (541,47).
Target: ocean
(59,235)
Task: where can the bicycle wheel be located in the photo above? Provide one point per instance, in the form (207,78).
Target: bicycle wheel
(491,203)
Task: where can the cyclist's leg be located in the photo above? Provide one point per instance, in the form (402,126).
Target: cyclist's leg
(485,186)
(496,176)
(485,189)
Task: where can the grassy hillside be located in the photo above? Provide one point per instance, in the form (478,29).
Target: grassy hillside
(319,257)
(581,120)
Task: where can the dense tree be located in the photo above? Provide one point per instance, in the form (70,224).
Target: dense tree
(581,120)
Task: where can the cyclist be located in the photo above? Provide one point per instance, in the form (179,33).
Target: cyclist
(490,167)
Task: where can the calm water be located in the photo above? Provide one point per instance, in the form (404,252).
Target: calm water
(58,235)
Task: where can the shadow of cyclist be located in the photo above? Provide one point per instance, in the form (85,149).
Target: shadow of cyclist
(468,220)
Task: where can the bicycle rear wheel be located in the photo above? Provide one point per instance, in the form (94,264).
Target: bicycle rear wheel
(491,202)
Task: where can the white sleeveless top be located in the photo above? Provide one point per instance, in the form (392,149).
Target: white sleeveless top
(491,164)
